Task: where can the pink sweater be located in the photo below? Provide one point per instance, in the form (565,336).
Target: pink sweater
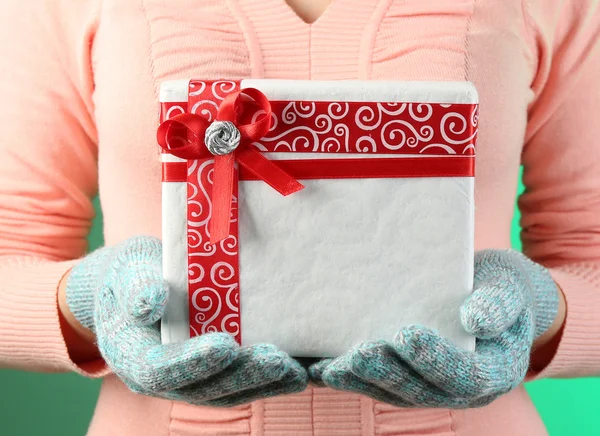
(79,80)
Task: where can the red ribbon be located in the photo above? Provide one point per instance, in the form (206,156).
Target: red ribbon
(183,136)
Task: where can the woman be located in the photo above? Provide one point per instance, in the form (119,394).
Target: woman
(79,82)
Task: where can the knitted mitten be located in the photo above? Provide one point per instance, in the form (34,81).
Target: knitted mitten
(118,292)
(514,301)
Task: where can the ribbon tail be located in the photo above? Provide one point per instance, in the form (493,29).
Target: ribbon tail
(222,194)
(268,171)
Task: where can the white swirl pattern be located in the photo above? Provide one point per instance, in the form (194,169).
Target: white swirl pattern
(230,324)
(449,128)
(392,108)
(364,121)
(172,109)
(361,149)
(201,87)
(342,110)
(206,108)
(407,132)
(207,303)
(415,109)
(195,277)
(221,88)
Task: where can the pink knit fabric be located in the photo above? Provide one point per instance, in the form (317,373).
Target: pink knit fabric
(79,80)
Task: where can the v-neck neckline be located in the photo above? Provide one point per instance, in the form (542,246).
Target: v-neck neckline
(297,17)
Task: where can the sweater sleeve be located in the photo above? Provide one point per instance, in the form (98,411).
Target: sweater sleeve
(561,159)
(48,172)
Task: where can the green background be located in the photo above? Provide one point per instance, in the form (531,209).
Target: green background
(62,404)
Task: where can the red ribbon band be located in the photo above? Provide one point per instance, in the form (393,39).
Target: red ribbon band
(306,169)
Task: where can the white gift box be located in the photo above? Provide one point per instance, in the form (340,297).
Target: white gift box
(380,237)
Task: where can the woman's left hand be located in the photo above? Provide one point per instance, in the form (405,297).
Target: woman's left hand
(514,301)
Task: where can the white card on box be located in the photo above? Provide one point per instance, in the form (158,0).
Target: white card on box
(344,260)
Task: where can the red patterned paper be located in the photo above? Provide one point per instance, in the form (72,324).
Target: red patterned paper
(213,271)
(383,128)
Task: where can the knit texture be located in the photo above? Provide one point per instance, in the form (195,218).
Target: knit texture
(514,301)
(83,284)
(119,293)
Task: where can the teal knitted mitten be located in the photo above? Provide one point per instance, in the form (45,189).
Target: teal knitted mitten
(514,301)
(118,292)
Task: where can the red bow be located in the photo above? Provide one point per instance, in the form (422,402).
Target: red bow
(189,130)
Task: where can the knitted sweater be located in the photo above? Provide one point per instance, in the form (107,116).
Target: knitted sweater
(79,81)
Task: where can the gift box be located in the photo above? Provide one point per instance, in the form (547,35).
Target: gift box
(315,215)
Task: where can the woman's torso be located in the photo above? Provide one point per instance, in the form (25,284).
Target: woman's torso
(140,43)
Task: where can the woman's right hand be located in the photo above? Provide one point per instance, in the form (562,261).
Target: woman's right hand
(119,294)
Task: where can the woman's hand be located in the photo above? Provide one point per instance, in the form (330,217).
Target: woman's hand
(514,302)
(119,294)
